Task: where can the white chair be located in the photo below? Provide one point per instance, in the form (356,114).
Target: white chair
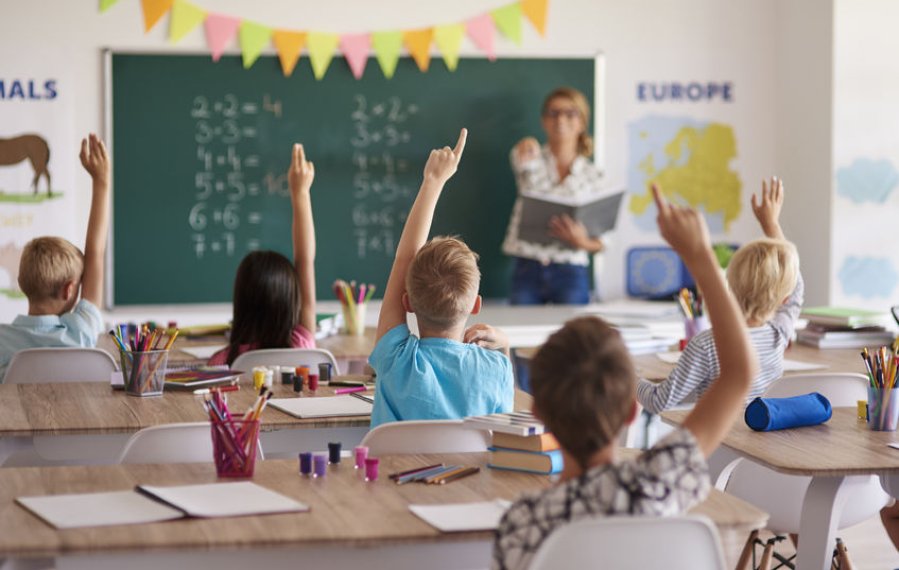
(426,436)
(172,443)
(782,495)
(676,543)
(48,365)
(284,357)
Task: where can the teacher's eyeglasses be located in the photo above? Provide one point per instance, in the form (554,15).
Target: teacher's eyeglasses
(557,113)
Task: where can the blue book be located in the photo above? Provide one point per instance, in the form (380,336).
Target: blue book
(543,462)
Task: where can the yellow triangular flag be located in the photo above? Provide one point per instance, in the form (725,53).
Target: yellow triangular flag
(321,51)
(387,46)
(106,5)
(449,39)
(508,21)
(418,42)
(153,11)
(253,39)
(288,45)
(185,17)
(535,11)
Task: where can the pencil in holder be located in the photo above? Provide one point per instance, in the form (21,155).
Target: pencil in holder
(234,444)
(144,371)
(353,300)
(883,409)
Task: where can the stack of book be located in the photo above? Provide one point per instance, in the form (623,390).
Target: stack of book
(520,443)
(832,327)
(328,324)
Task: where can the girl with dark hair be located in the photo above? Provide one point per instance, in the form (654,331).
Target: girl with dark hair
(274,301)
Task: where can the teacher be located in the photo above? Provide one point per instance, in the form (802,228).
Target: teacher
(556,273)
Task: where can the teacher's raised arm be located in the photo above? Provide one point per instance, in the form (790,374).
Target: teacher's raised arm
(556,270)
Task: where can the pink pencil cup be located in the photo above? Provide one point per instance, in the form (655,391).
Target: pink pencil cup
(234,444)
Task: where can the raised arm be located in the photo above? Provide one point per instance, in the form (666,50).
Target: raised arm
(300,176)
(95,161)
(720,406)
(441,165)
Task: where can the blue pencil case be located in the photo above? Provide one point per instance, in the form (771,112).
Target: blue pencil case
(769,414)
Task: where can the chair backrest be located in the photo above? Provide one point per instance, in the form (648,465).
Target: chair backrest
(686,542)
(284,357)
(842,389)
(426,436)
(172,443)
(46,365)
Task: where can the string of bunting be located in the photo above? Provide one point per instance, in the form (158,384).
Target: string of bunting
(387,46)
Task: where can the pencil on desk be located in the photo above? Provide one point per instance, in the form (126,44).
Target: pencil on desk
(458,475)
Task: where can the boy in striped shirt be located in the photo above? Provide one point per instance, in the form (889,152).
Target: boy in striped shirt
(764,277)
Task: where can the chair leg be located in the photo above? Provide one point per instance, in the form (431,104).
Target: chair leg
(745,561)
(767,555)
(841,560)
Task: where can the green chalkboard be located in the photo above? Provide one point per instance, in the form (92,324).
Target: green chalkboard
(201,149)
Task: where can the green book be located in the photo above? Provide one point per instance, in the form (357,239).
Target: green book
(846,317)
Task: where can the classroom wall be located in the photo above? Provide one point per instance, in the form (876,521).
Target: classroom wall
(864,258)
(756,46)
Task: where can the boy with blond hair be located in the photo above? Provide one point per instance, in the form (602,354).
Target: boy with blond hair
(52,273)
(584,387)
(447,372)
(764,277)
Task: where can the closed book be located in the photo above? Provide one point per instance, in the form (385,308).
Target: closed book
(544,462)
(542,442)
(518,423)
(845,317)
(847,340)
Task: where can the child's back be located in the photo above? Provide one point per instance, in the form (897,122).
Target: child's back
(53,272)
(448,373)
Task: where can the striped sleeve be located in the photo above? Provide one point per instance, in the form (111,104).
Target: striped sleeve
(693,371)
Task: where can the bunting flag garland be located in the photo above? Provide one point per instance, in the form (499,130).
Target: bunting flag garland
(185,17)
(355,48)
(106,5)
(449,39)
(321,51)
(535,11)
(221,30)
(508,21)
(253,39)
(153,11)
(418,42)
(480,30)
(288,45)
(387,47)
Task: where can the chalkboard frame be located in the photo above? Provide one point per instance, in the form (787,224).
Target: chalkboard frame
(597,104)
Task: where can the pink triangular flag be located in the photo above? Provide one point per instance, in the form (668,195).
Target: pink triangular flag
(220,30)
(480,29)
(355,47)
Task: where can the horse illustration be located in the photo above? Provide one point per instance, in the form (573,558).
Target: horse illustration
(32,147)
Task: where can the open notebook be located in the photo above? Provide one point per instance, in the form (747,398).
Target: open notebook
(460,517)
(148,504)
(323,407)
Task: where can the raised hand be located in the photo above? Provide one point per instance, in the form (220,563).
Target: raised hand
(487,337)
(443,162)
(683,228)
(301,172)
(94,158)
(526,149)
(767,208)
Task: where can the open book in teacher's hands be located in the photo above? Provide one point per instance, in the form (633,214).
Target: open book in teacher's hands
(598,213)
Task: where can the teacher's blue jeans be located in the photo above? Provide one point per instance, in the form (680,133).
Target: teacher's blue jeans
(559,283)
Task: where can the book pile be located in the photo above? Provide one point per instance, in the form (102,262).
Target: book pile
(831,327)
(328,324)
(520,443)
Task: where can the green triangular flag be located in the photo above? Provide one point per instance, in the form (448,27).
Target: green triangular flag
(449,39)
(387,46)
(321,48)
(253,39)
(185,17)
(508,21)
(106,5)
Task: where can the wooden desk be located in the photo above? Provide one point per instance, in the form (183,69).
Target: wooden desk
(346,524)
(827,453)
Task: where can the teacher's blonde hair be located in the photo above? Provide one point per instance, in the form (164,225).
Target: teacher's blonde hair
(584,141)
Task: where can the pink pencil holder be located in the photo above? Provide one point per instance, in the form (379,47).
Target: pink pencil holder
(694,326)
(234,444)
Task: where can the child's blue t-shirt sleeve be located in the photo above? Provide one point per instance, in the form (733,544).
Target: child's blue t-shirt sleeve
(507,396)
(385,352)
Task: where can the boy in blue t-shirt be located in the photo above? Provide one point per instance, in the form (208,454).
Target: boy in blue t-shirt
(449,372)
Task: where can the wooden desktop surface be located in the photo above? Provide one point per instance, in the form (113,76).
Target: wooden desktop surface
(94,407)
(345,510)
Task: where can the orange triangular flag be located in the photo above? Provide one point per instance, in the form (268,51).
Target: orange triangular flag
(153,11)
(288,45)
(535,11)
(418,42)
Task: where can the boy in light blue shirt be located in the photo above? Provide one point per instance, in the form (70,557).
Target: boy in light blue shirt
(52,272)
(449,372)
